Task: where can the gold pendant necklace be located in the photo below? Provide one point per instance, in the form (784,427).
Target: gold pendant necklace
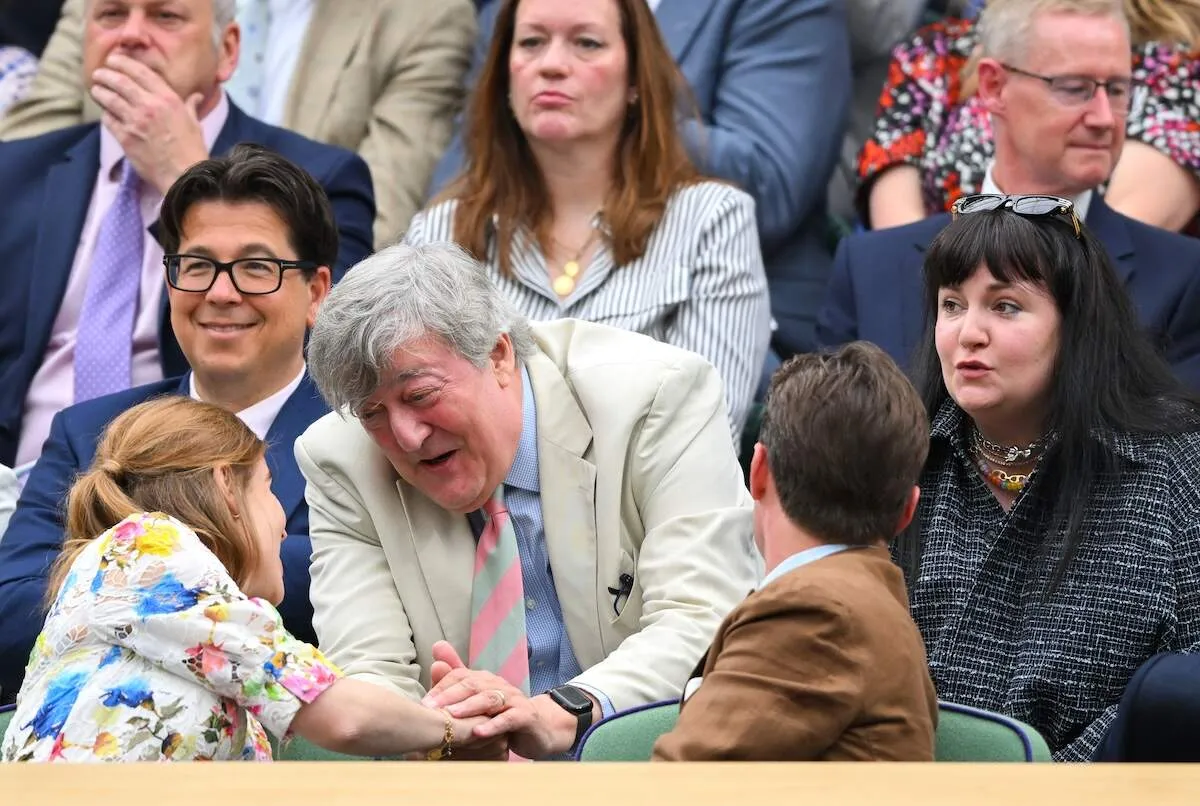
(564,284)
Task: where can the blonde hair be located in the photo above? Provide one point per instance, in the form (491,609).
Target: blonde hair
(1004,29)
(1174,22)
(159,456)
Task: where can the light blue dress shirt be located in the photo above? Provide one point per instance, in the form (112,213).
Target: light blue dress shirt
(552,659)
(803,558)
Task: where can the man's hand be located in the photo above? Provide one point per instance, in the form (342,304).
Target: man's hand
(493,749)
(159,132)
(535,726)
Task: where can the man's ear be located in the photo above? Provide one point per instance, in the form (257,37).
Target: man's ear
(992,80)
(910,510)
(503,359)
(760,473)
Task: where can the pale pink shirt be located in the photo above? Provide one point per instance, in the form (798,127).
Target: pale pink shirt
(260,416)
(53,387)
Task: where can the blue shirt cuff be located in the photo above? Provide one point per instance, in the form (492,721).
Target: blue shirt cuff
(606,706)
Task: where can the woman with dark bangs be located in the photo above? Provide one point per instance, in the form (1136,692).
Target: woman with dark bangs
(1057,544)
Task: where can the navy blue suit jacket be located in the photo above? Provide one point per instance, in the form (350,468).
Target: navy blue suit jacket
(47,184)
(1156,721)
(35,533)
(771,80)
(876,291)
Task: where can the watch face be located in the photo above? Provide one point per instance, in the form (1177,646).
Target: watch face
(573,699)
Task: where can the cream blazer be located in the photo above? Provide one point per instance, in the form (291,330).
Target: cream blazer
(383,78)
(638,477)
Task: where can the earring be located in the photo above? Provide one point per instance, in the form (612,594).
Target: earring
(633,97)
(237,517)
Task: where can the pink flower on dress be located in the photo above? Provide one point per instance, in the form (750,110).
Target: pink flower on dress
(308,684)
(127,530)
(210,658)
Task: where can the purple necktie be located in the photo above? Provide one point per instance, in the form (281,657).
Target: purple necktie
(104,342)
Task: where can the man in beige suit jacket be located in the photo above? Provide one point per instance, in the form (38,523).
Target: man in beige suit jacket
(644,518)
(823,661)
(383,78)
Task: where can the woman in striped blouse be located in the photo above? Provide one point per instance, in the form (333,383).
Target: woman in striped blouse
(581,200)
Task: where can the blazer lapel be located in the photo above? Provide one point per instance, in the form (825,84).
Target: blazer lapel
(568,487)
(1109,227)
(302,408)
(445,549)
(66,197)
(335,31)
(679,20)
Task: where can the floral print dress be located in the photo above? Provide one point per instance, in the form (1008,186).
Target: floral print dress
(151,652)
(923,120)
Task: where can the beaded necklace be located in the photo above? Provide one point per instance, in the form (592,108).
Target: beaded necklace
(992,459)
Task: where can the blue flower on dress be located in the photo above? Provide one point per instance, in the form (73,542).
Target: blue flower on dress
(97,581)
(112,656)
(168,595)
(134,693)
(61,694)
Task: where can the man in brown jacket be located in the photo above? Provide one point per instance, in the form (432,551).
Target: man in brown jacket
(822,661)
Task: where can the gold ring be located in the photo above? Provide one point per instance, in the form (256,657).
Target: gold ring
(500,694)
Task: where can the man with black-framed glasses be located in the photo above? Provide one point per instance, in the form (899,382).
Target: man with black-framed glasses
(249,242)
(1055,77)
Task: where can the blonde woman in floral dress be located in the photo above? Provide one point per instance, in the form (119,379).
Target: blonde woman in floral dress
(162,641)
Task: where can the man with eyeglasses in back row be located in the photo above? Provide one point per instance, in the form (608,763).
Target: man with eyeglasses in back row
(249,241)
(1055,77)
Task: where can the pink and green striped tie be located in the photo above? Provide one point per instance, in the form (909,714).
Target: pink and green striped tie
(498,641)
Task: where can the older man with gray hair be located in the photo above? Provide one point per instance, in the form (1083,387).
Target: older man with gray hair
(557,503)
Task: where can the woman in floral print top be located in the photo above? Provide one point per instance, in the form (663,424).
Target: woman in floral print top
(930,118)
(162,641)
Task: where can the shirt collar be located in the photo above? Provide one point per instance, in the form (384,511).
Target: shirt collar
(111,152)
(803,558)
(524,471)
(1081,202)
(260,416)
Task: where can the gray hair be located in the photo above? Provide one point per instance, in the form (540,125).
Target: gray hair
(224,12)
(398,295)
(1005,26)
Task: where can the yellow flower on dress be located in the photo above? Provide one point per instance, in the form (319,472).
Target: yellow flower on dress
(217,612)
(106,745)
(157,540)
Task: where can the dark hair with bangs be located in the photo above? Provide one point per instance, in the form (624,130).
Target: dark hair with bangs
(1109,376)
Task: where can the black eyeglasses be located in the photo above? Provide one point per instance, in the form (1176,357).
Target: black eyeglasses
(1078,90)
(1027,206)
(252,275)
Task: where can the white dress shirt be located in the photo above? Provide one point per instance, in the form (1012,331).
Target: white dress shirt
(261,416)
(1081,201)
(53,386)
(285,39)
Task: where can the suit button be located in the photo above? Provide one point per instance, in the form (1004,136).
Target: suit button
(530,604)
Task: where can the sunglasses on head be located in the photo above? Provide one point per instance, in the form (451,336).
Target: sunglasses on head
(1027,206)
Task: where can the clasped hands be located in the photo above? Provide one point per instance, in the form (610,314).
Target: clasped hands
(531,727)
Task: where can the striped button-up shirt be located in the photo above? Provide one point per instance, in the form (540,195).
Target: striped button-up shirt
(999,638)
(700,285)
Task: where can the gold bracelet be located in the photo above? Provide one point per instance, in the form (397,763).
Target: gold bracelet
(445,751)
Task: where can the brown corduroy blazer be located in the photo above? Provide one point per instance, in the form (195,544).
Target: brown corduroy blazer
(822,664)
